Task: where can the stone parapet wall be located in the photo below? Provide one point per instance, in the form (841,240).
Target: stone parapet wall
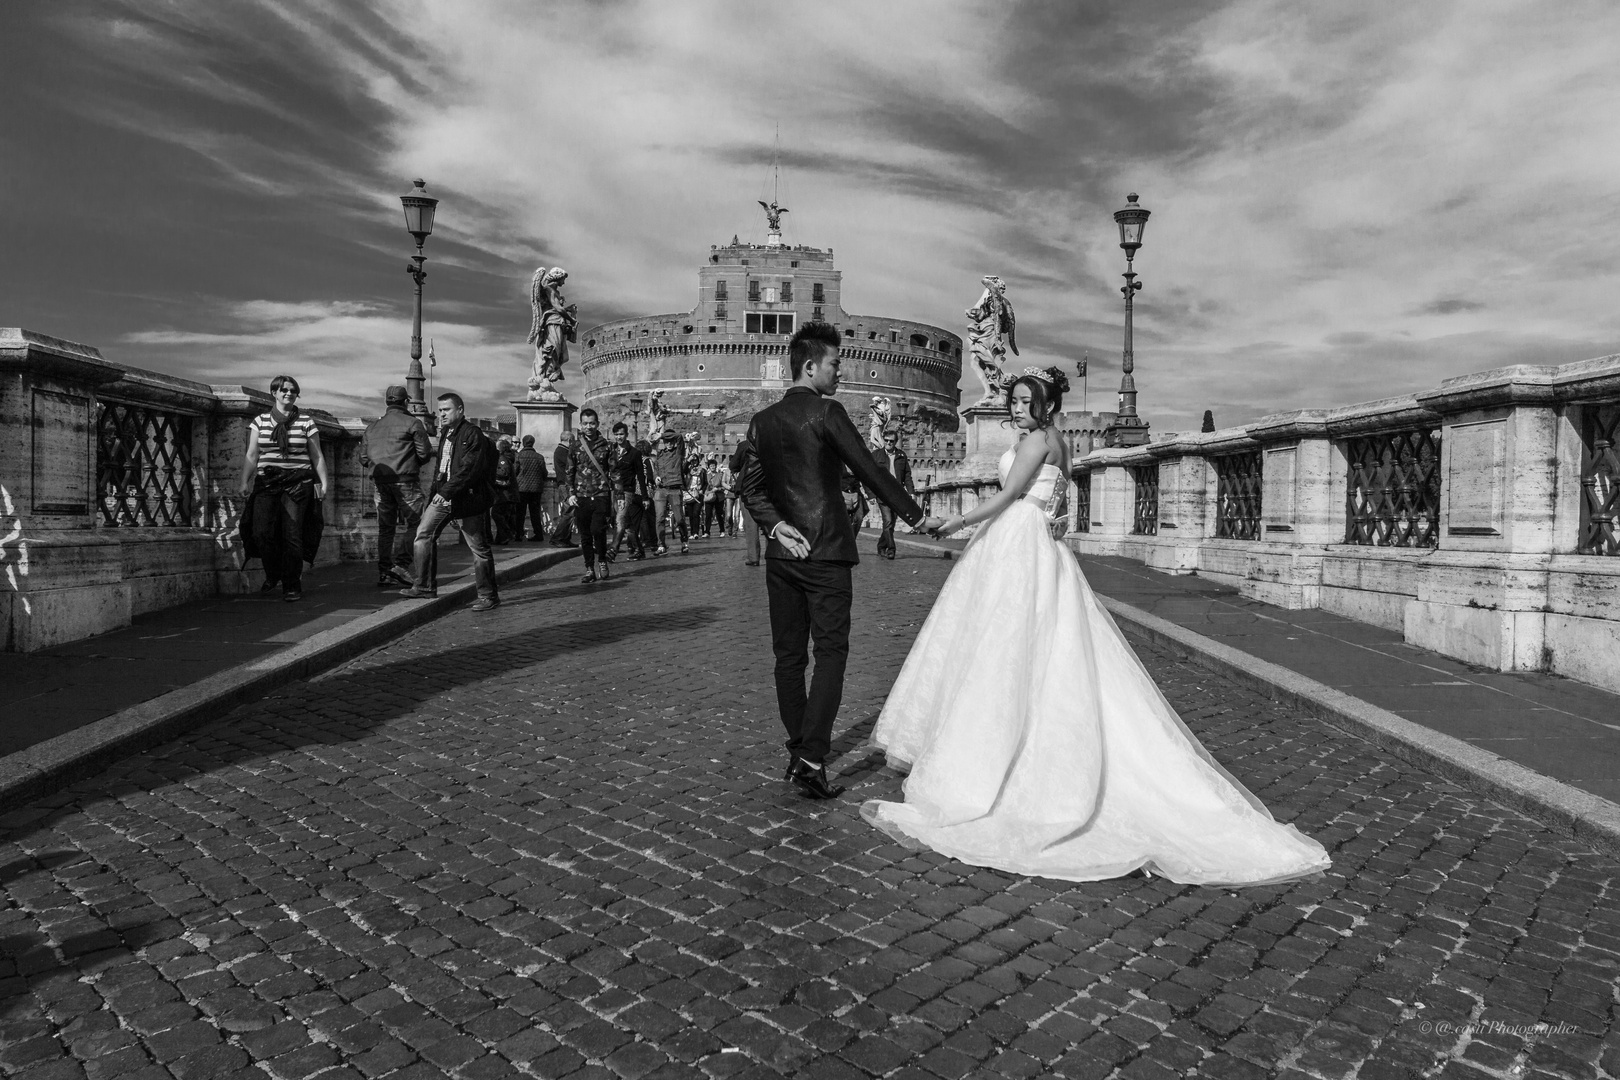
(84,548)
(1495,573)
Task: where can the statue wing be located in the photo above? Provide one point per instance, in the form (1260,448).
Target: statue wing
(1009,325)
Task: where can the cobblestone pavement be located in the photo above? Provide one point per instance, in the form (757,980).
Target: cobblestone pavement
(554,841)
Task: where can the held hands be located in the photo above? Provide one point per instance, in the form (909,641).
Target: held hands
(947,527)
(929,525)
(793,540)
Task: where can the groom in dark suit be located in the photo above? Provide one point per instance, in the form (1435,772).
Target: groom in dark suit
(790,485)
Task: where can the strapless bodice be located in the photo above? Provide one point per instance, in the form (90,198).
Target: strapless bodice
(1046,480)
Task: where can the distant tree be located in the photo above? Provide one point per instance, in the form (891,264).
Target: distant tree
(1209,421)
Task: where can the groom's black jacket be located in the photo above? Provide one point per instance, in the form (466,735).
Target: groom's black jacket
(800,446)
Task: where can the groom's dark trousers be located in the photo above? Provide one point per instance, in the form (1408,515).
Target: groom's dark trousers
(810,602)
(797,451)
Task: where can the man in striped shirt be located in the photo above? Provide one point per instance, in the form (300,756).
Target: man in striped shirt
(283,474)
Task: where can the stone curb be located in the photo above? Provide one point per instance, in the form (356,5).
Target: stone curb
(46,767)
(1552,802)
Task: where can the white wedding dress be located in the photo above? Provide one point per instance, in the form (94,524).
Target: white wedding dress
(1037,743)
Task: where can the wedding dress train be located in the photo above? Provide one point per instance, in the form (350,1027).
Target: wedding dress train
(1037,743)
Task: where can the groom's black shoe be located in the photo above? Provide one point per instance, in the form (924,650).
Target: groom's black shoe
(812,780)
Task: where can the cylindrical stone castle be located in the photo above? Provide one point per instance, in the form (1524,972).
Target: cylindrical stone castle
(727,357)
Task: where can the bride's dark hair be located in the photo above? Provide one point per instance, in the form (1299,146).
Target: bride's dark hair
(1046,388)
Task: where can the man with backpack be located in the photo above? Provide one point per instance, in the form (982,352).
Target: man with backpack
(463,491)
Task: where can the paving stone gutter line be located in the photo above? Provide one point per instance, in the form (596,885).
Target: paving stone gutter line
(1554,803)
(48,766)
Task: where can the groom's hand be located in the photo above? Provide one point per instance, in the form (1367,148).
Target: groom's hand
(792,539)
(930,525)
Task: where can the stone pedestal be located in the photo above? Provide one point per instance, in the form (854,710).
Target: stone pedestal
(550,422)
(989,433)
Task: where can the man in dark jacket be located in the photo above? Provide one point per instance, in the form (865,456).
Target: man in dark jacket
(892,460)
(394,447)
(463,490)
(590,493)
(562,530)
(629,493)
(531,484)
(739,459)
(790,484)
(504,515)
(670,477)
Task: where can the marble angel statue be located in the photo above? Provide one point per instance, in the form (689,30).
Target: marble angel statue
(992,330)
(881,411)
(657,416)
(553,327)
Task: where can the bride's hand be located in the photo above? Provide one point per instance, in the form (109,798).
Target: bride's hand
(951,525)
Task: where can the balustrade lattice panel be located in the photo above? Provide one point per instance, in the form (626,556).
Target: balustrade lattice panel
(1081,518)
(1600,481)
(1146,480)
(143,466)
(1393,497)
(1237,495)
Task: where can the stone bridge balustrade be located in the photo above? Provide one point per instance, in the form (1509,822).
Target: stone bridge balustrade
(1480,518)
(118,490)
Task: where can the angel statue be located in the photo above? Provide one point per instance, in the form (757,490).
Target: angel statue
(991,332)
(657,413)
(694,456)
(773,214)
(554,326)
(881,411)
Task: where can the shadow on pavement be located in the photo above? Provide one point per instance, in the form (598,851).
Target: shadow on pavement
(348,703)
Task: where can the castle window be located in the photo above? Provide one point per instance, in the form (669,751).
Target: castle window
(769,322)
(817,293)
(894,336)
(847,332)
(720,290)
(687,329)
(753,291)
(700,367)
(871,335)
(816,315)
(944,346)
(712,330)
(872,374)
(919,341)
(719,311)
(787,292)
(590,343)
(794,263)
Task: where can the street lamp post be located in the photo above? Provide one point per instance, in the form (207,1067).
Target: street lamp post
(419,209)
(1128,429)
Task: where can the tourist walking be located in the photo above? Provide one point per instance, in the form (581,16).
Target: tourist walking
(531,486)
(1035,740)
(892,460)
(562,530)
(647,523)
(394,447)
(508,526)
(284,481)
(738,462)
(590,493)
(629,492)
(791,485)
(463,492)
(669,489)
(692,501)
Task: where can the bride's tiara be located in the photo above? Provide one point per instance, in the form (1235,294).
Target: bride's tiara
(1053,377)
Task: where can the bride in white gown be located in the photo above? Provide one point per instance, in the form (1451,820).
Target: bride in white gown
(1036,741)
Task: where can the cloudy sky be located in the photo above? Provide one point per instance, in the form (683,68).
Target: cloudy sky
(1349,201)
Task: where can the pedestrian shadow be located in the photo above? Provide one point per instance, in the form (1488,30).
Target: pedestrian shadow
(855,736)
(347,704)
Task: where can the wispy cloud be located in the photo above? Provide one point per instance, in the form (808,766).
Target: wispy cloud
(1384,194)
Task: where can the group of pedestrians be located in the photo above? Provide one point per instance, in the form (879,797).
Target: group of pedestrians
(619,496)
